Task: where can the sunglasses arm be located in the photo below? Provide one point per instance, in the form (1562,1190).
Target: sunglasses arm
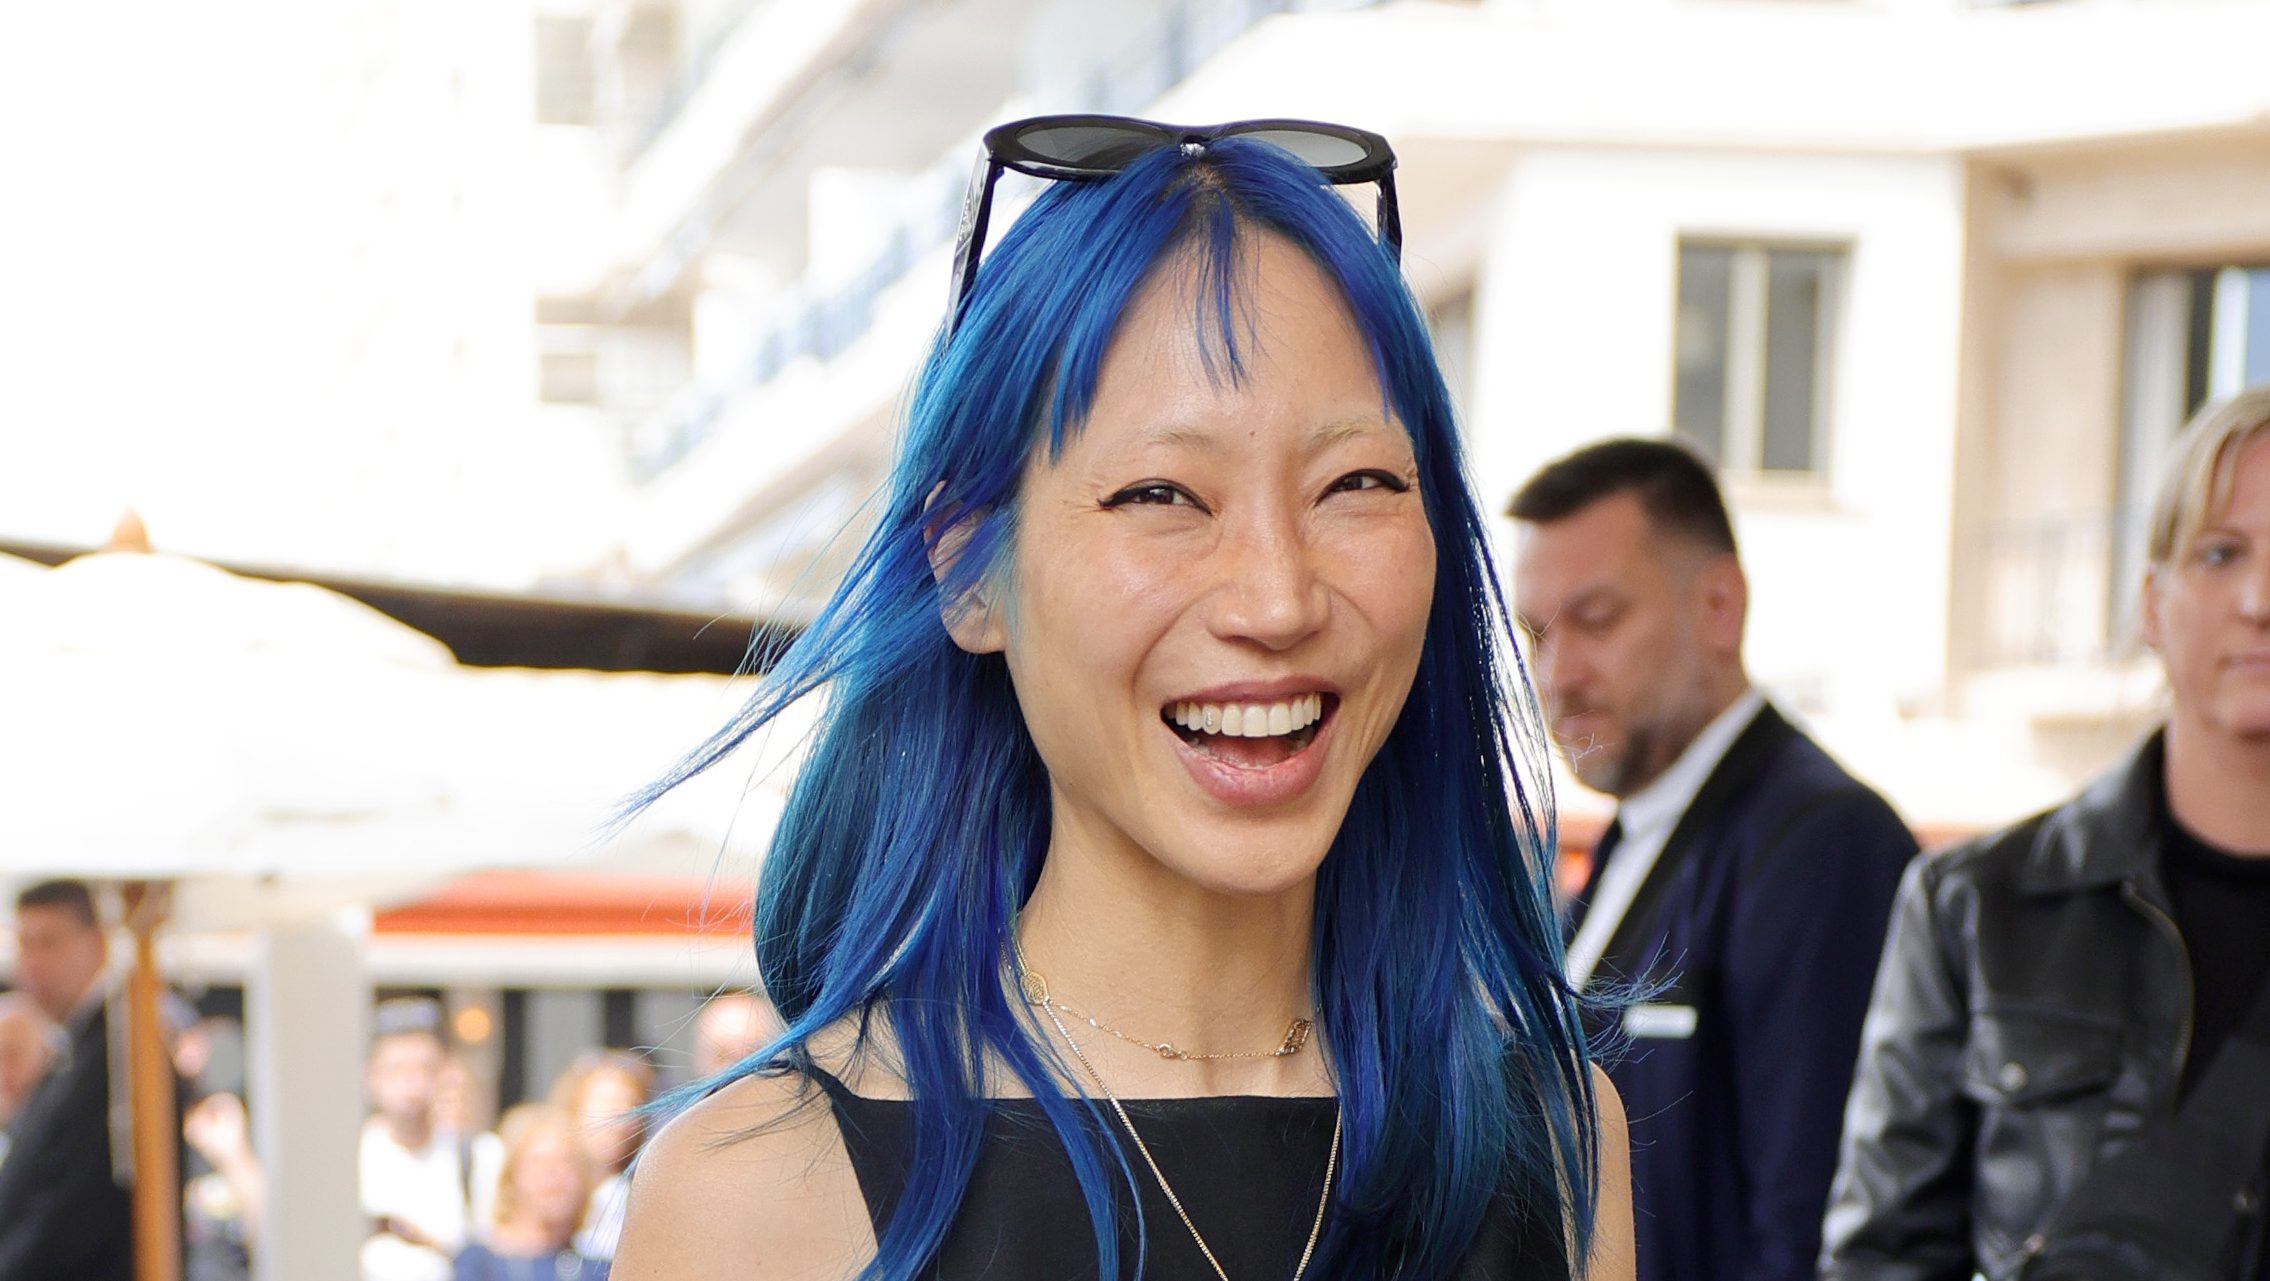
(1390,217)
(969,241)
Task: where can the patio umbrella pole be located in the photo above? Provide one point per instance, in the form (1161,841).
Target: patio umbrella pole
(157,1173)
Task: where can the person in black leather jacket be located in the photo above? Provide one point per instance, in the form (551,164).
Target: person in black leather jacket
(2051,990)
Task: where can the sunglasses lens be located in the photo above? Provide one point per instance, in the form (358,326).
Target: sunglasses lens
(1085,146)
(1319,150)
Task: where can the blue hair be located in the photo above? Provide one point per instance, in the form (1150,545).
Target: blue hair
(919,823)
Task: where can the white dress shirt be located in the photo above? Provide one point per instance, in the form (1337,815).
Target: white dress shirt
(1648,817)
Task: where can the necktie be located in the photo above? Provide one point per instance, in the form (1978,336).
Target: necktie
(1601,851)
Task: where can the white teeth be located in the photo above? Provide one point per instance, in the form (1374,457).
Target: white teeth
(1249,720)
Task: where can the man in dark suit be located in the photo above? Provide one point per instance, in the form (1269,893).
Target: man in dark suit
(1745,886)
(63,1212)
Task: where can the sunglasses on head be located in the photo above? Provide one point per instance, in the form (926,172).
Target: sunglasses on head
(1085,148)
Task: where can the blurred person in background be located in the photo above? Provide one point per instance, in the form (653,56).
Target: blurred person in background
(2067,1065)
(63,1211)
(459,1113)
(603,1091)
(414,1177)
(224,1188)
(1746,872)
(223,1202)
(731,1027)
(543,1193)
(29,1042)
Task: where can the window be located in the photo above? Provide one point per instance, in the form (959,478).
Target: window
(1753,346)
(1451,323)
(565,77)
(2193,336)
(567,378)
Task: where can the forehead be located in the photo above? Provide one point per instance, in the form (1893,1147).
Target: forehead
(1606,543)
(50,920)
(2248,501)
(1207,356)
(406,1047)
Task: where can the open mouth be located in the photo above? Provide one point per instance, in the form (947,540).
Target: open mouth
(1251,735)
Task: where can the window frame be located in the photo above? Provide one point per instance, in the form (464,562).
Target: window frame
(1740,449)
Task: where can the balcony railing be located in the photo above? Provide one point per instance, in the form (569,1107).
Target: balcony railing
(2052,590)
(688,77)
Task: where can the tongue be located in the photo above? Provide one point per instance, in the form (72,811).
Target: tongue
(1252,753)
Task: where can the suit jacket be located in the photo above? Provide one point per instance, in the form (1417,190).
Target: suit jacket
(63,1217)
(1759,930)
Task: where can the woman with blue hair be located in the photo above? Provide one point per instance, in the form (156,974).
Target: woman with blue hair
(1165,892)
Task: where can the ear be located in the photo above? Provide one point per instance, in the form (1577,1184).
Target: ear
(971,617)
(1725,597)
(2148,609)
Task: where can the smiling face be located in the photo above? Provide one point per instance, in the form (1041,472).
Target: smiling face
(1636,637)
(2207,612)
(1219,589)
(549,1186)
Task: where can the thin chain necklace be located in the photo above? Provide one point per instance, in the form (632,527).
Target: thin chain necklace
(1331,1161)
(1036,991)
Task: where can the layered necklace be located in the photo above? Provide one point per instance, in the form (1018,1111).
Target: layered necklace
(1035,991)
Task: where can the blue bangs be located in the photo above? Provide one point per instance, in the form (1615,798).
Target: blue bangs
(919,822)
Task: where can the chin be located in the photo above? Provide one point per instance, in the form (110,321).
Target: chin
(1253,870)
(2244,715)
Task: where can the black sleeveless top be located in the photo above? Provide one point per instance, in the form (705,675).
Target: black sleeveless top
(1249,1169)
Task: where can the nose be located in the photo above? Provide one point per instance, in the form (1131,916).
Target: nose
(2254,593)
(1555,666)
(1271,592)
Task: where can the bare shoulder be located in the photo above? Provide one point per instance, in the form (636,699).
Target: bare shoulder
(751,1183)
(1610,1106)
(1613,1254)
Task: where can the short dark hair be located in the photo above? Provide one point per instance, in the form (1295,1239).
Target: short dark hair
(407,1016)
(1672,482)
(70,896)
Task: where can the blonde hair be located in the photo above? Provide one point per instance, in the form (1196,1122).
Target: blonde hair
(522,1126)
(2196,479)
(567,1090)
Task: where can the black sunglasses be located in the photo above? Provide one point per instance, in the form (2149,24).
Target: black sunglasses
(1085,148)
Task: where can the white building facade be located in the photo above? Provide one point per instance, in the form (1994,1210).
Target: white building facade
(1932,280)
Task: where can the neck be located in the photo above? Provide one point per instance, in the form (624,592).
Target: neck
(2219,787)
(412,1133)
(1144,951)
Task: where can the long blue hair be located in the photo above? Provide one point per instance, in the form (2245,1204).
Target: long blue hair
(919,822)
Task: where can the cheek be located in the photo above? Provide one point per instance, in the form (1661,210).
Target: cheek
(1389,572)
(1089,608)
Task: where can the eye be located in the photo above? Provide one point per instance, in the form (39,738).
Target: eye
(1372,479)
(1153,493)
(2219,553)
(1597,618)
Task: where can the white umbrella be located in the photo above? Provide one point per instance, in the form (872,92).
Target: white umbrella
(274,751)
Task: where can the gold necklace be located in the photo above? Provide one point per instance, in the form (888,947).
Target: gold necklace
(1323,1202)
(1035,989)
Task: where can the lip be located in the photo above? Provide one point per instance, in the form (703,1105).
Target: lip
(1269,691)
(1244,787)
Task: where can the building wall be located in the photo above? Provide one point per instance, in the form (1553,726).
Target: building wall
(1574,329)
